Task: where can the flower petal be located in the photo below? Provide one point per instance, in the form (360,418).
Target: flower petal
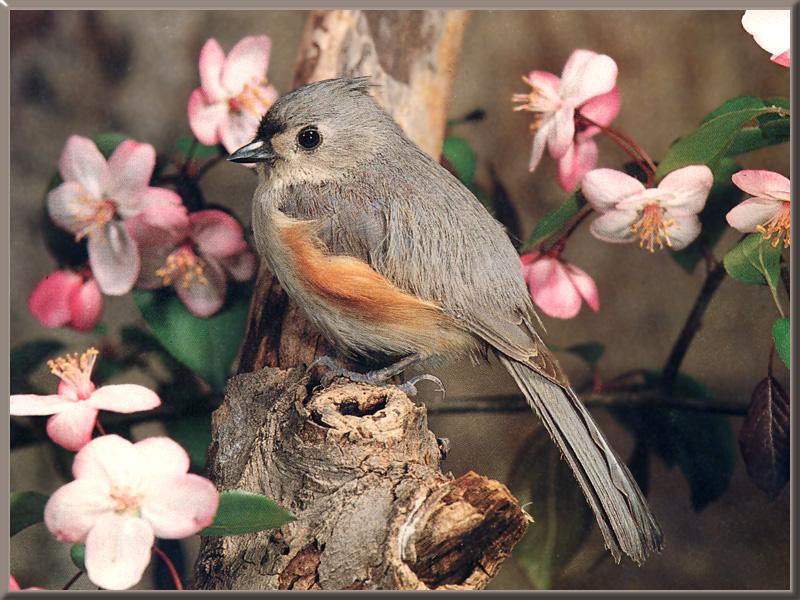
(86,306)
(114,258)
(206,117)
(246,63)
(552,290)
(751,213)
(563,132)
(770,29)
(689,187)
(539,143)
(604,188)
(212,59)
(49,301)
(240,266)
(130,168)
(580,158)
(83,163)
(684,231)
(72,428)
(216,233)
(118,550)
(70,206)
(124,398)
(163,456)
(602,110)
(784,59)
(24,405)
(614,226)
(204,299)
(74,508)
(587,74)
(165,225)
(764,184)
(585,285)
(238,130)
(180,506)
(109,458)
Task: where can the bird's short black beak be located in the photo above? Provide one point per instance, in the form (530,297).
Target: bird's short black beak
(255,151)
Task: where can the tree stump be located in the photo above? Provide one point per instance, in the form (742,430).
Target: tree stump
(355,463)
(359,468)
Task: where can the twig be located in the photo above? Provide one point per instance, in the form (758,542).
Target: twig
(162,555)
(692,325)
(72,581)
(626,398)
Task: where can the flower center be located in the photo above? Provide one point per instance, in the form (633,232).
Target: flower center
(102,211)
(778,226)
(539,100)
(251,99)
(76,371)
(182,267)
(653,228)
(126,501)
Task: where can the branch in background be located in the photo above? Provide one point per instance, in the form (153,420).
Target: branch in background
(692,325)
(512,403)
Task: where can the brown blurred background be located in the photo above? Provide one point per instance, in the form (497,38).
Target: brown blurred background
(85,73)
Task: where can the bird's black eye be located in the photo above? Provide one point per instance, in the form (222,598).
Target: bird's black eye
(309,137)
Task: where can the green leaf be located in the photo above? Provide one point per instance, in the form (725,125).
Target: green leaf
(244,512)
(460,155)
(77,552)
(589,352)
(208,346)
(194,434)
(555,219)
(27,508)
(722,198)
(701,444)
(715,137)
(26,358)
(184,145)
(108,142)
(754,260)
(543,483)
(781,334)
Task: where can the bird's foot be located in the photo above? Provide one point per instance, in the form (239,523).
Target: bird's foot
(379,377)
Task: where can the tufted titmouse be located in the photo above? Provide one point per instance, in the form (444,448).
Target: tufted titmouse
(395,260)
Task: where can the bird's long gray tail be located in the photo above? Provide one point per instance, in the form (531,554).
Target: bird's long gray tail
(619,506)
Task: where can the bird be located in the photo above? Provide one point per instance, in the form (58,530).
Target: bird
(397,263)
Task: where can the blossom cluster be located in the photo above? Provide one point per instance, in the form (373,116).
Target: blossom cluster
(570,111)
(142,236)
(138,234)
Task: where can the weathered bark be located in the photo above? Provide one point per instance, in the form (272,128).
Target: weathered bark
(360,469)
(356,463)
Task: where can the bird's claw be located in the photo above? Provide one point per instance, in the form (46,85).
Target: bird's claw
(409,388)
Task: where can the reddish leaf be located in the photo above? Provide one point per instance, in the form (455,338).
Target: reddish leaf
(764,439)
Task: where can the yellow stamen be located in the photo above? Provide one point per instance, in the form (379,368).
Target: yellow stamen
(538,100)
(76,370)
(126,501)
(103,211)
(652,228)
(779,226)
(251,99)
(182,268)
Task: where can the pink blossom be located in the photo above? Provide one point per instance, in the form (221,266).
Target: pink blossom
(771,30)
(13,586)
(197,259)
(666,215)
(587,87)
(558,287)
(233,94)
(769,211)
(97,196)
(66,298)
(74,408)
(123,496)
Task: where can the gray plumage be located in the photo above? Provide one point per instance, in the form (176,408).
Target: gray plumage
(372,194)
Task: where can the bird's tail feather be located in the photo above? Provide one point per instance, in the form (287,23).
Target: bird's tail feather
(619,506)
